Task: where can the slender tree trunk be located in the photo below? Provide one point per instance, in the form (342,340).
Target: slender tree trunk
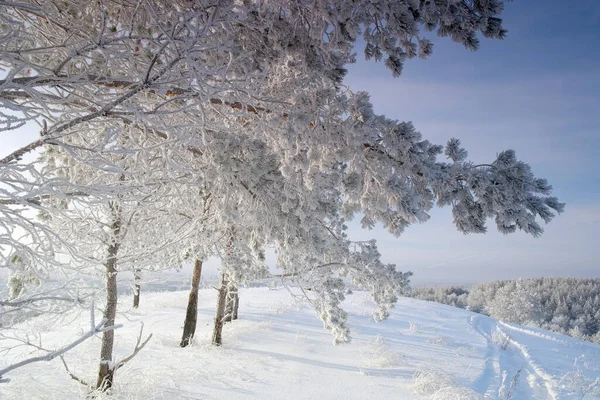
(191,316)
(224,286)
(217,339)
(228,305)
(106,370)
(137,277)
(230,309)
(236,304)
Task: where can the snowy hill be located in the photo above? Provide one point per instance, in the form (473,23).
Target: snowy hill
(279,350)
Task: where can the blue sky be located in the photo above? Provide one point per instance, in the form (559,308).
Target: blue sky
(536,92)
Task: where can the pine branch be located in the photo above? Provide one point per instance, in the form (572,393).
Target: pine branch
(296,274)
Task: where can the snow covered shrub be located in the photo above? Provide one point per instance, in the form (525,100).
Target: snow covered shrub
(501,339)
(579,385)
(378,354)
(439,385)
(430,380)
(413,327)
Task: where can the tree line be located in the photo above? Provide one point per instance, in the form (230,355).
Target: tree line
(569,306)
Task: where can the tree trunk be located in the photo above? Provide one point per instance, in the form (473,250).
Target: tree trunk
(230,309)
(228,306)
(236,304)
(217,339)
(137,277)
(107,369)
(191,316)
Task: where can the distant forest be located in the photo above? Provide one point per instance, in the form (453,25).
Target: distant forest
(564,305)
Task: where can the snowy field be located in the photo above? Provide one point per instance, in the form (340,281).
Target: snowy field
(279,350)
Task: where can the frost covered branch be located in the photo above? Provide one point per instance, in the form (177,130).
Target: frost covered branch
(21,303)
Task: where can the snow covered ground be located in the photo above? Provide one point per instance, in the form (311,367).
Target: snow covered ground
(279,350)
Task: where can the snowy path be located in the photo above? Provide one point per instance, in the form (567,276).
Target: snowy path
(552,366)
(507,367)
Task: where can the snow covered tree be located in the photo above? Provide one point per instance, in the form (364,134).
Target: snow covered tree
(517,303)
(243,99)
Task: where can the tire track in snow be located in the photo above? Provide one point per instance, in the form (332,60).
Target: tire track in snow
(524,352)
(533,381)
(537,334)
(489,380)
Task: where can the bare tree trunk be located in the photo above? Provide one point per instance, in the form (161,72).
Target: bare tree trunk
(236,304)
(217,339)
(228,305)
(106,370)
(224,286)
(137,277)
(191,316)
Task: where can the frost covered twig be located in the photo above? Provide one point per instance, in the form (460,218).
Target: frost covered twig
(74,377)
(507,393)
(94,329)
(139,345)
(38,199)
